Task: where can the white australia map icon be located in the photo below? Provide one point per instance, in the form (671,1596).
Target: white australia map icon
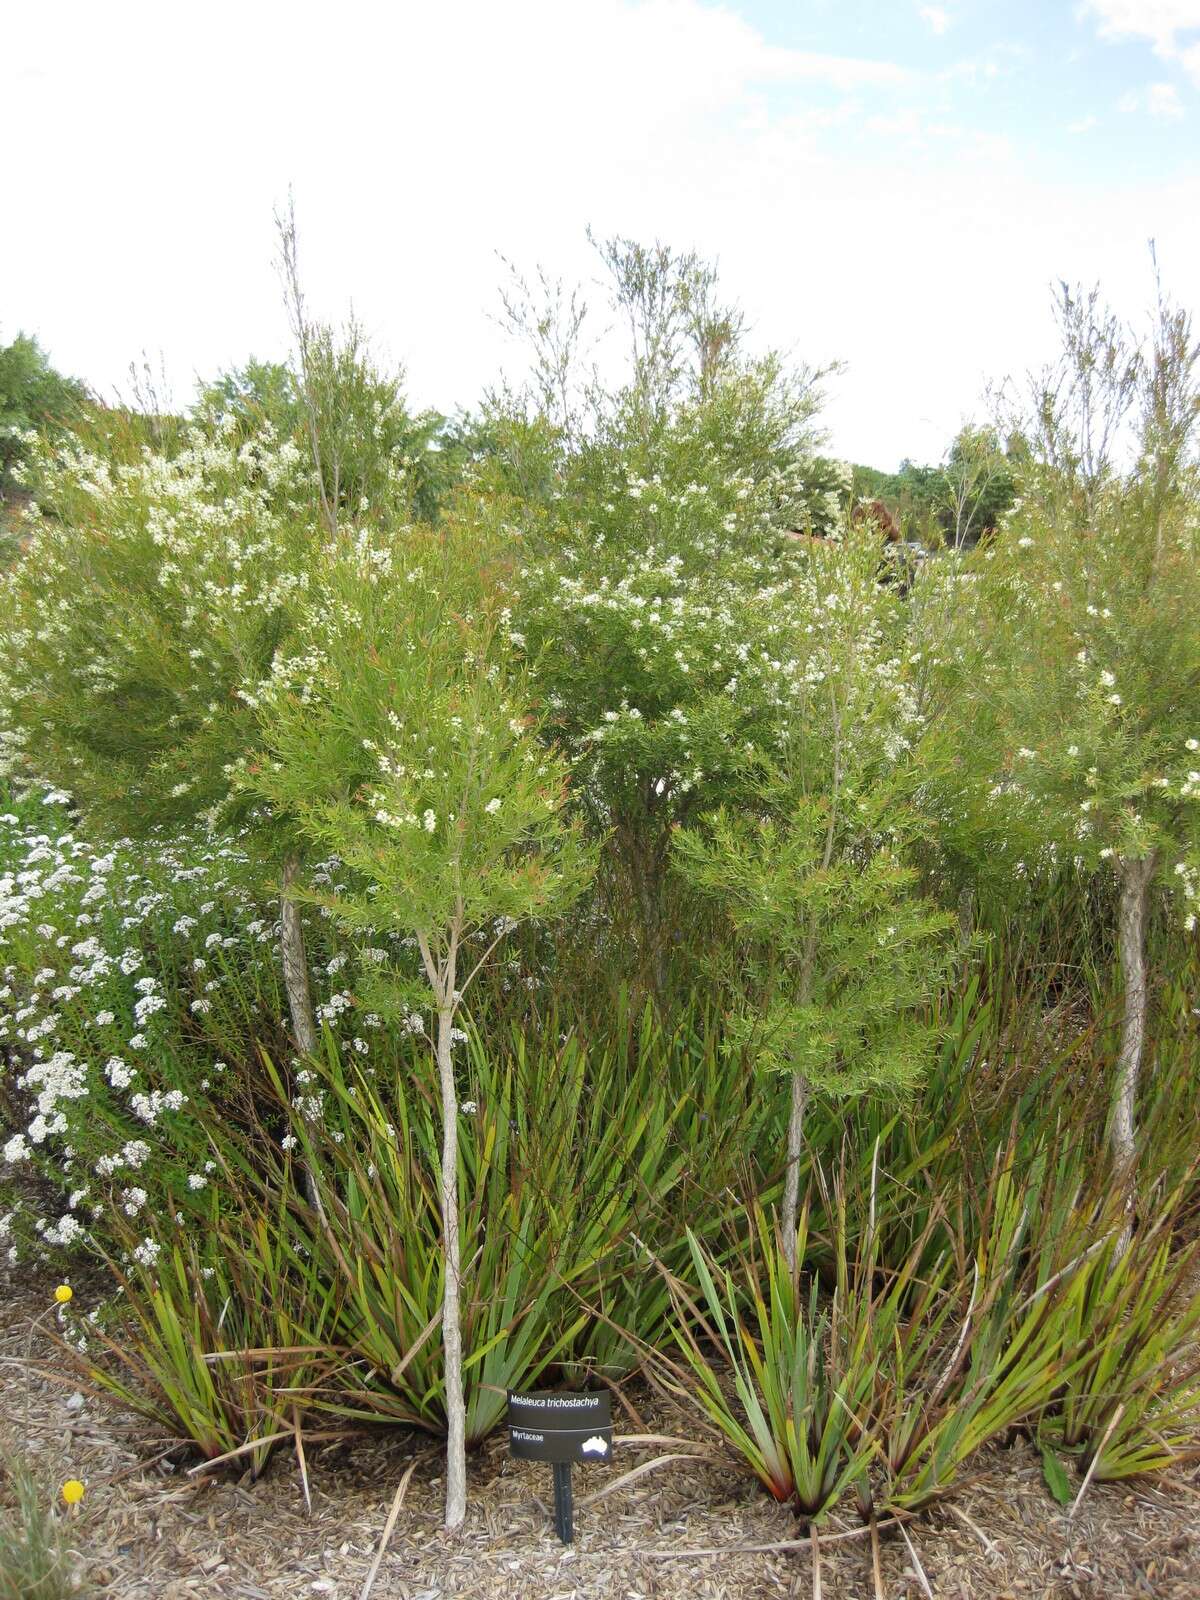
(595,1446)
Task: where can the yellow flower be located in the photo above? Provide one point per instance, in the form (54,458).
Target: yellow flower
(63,1293)
(72,1491)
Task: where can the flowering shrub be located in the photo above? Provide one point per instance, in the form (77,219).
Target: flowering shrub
(137,989)
(147,605)
(1089,626)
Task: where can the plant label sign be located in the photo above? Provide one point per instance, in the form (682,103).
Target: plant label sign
(559,1427)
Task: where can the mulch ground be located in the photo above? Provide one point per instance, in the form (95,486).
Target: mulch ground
(148,1531)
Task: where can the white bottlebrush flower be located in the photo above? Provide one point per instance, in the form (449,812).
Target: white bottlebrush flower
(118,1073)
(16,1149)
(147,1253)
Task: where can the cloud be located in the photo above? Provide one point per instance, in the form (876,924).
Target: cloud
(1159,21)
(444,133)
(937,18)
(1159,100)
(1083,125)
(1162,23)
(1162,100)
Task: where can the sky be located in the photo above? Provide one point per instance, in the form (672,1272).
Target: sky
(893,186)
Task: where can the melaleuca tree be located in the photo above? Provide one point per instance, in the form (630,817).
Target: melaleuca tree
(145,612)
(647,596)
(372,456)
(255,393)
(34,399)
(398,733)
(836,954)
(1089,628)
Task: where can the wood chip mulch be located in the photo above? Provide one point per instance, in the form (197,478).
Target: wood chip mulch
(148,1531)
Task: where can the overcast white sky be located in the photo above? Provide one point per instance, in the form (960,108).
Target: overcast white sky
(893,184)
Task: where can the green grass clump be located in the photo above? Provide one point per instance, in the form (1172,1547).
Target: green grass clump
(36,1560)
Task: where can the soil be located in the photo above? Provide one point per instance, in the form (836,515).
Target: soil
(150,1529)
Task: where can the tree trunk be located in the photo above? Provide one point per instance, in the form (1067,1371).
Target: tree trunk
(1135,895)
(456,1455)
(295,982)
(791,1182)
(295,964)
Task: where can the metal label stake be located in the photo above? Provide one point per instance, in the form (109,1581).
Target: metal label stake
(561,1428)
(563,1525)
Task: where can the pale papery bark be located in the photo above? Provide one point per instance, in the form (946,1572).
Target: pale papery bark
(456,1458)
(791,1182)
(442,980)
(1131,939)
(299,995)
(295,963)
(800,1085)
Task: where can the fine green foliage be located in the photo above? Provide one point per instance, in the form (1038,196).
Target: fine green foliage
(836,953)
(36,1558)
(150,598)
(399,736)
(34,400)
(839,955)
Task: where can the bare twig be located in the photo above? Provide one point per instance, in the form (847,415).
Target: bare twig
(987,1543)
(916,1561)
(303,1465)
(270,1438)
(810,1543)
(876,1573)
(397,1502)
(634,1473)
(1095,1461)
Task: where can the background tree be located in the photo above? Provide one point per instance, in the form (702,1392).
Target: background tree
(34,399)
(1089,633)
(645,597)
(33,395)
(370,453)
(979,486)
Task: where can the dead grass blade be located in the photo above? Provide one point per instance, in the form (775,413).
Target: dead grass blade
(397,1502)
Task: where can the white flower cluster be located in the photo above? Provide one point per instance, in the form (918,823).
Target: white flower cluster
(94,991)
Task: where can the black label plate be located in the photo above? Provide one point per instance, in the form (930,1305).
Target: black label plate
(552,1425)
